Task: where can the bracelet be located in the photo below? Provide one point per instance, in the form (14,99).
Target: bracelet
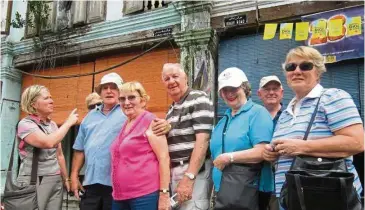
(67,180)
(231,157)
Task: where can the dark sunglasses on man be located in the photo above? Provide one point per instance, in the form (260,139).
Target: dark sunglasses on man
(304,66)
(92,106)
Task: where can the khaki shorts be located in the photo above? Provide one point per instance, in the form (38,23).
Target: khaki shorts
(202,186)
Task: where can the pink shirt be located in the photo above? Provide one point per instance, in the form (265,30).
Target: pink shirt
(135,168)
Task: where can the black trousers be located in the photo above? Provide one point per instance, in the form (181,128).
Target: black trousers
(264,199)
(96,197)
(268,201)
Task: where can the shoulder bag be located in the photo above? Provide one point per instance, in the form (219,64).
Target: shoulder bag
(237,188)
(25,197)
(315,183)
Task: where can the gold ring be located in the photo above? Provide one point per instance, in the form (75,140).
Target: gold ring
(168,127)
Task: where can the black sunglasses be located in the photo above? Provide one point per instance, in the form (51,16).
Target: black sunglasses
(122,99)
(304,66)
(92,106)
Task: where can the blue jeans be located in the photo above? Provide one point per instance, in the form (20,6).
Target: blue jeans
(146,202)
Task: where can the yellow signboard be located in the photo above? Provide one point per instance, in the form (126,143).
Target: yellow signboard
(335,27)
(330,59)
(270,30)
(354,26)
(319,28)
(301,31)
(286,30)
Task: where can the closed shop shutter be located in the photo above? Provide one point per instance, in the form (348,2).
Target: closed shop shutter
(67,93)
(349,76)
(258,58)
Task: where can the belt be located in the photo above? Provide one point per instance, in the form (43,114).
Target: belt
(180,163)
(183,162)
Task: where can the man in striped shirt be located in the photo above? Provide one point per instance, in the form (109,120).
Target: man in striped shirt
(191,118)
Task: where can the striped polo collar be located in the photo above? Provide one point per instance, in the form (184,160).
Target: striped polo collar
(314,93)
(184,96)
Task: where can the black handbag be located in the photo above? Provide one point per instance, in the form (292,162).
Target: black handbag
(315,183)
(237,188)
(21,197)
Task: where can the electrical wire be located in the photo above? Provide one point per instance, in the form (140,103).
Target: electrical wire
(97,72)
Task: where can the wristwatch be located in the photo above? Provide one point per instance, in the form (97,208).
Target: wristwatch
(164,191)
(190,175)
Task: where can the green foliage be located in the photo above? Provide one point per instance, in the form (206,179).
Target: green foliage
(37,17)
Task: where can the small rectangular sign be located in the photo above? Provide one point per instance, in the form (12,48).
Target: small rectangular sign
(235,20)
(162,32)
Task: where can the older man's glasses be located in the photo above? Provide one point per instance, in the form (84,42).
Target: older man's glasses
(92,106)
(304,66)
(130,98)
(275,89)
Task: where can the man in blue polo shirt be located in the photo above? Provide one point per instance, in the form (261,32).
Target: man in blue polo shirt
(97,132)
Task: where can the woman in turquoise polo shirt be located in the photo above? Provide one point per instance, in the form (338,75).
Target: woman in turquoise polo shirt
(237,143)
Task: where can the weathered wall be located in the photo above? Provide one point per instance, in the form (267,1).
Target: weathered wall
(147,71)
(67,93)
(70,93)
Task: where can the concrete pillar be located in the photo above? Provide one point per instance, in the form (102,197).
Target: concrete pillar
(10,107)
(198,43)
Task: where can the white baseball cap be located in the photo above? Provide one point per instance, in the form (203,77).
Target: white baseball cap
(109,78)
(268,79)
(231,77)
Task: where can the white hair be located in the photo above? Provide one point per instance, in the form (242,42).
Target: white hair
(177,66)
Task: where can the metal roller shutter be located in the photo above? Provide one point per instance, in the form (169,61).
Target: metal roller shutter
(257,58)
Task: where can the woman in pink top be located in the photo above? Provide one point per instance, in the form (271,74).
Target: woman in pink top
(140,159)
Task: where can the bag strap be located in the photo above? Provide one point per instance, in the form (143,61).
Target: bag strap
(299,191)
(312,119)
(224,133)
(12,150)
(36,151)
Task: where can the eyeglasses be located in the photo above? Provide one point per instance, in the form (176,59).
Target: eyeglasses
(130,98)
(275,89)
(92,106)
(304,66)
